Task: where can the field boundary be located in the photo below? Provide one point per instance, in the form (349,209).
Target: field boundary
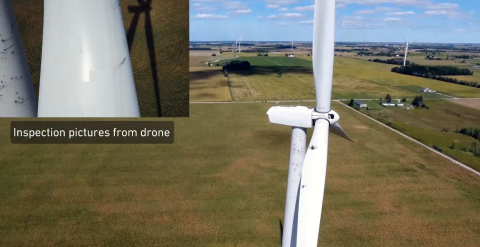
(418,142)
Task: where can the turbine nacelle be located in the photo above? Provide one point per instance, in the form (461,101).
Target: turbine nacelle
(305,117)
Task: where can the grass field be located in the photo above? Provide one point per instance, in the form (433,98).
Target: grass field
(352,79)
(387,191)
(208,84)
(170,40)
(427,125)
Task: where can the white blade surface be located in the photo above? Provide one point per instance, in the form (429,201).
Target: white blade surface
(86,69)
(17,95)
(312,186)
(323,52)
(337,130)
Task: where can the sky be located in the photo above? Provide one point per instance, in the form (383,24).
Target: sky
(435,21)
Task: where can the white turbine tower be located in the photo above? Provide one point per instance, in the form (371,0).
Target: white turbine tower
(86,69)
(17,95)
(406,50)
(308,166)
(239,45)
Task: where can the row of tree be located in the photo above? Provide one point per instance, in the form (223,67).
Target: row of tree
(390,61)
(200,48)
(262,55)
(415,69)
(471,131)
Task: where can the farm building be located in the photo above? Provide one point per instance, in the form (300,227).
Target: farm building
(392,104)
(360,104)
(427,90)
(291,55)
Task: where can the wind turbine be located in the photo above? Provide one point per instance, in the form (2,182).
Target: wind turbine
(17,95)
(86,69)
(239,45)
(406,50)
(308,166)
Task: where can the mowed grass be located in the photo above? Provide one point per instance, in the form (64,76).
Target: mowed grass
(208,84)
(170,40)
(427,125)
(275,61)
(223,184)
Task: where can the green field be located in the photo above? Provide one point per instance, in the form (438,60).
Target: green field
(436,126)
(223,184)
(352,79)
(170,40)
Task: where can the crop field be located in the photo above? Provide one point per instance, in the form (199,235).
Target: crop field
(161,81)
(208,84)
(437,126)
(387,191)
(473,103)
(352,79)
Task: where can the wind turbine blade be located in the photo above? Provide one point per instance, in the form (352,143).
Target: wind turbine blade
(86,69)
(414,41)
(17,94)
(405,40)
(323,52)
(312,186)
(337,130)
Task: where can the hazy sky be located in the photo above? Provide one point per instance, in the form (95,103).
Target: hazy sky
(455,21)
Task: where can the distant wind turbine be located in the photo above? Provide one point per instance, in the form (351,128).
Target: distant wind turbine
(406,50)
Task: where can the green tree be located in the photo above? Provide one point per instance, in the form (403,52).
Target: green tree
(404,100)
(286,54)
(350,103)
(452,146)
(388,98)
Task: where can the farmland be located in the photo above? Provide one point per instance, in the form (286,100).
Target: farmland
(208,84)
(352,79)
(387,192)
(161,82)
(436,126)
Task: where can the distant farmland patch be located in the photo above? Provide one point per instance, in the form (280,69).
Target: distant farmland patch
(276,61)
(472,103)
(208,84)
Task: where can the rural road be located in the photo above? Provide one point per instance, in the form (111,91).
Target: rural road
(410,138)
(339,100)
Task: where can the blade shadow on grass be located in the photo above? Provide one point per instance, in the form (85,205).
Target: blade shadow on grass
(145,7)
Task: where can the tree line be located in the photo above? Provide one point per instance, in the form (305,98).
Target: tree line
(470,131)
(201,48)
(236,65)
(430,74)
(415,69)
(390,61)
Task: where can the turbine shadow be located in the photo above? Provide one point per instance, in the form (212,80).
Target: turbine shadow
(145,8)
(281,231)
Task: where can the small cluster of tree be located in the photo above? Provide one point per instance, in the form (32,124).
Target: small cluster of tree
(388,98)
(236,65)
(418,102)
(397,61)
(214,55)
(262,55)
(364,53)
(439,149)
(351,102)
(471,131)
(473,148)
(200,48)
